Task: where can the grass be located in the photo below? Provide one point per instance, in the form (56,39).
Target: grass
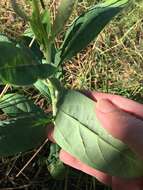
(113,63)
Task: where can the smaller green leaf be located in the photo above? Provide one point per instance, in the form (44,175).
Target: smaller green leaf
(88,25)
(42,86)
(46,21)
(20,67)
(17,104)
(64,11)
(36,23)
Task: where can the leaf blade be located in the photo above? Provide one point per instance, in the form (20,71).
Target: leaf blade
(79,132)
(20,67)
(88,25)
(14,104)
(26,127)
(20,134)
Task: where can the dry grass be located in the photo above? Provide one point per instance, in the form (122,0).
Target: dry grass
(10,24)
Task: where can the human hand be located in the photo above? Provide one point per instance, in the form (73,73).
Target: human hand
(122,118)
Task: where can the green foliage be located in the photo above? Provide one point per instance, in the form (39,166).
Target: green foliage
(27,39)
(42,86)
(79,132)
(25,129)
(45,18)
(15,104)
(88,25)
(42,32)
(18,60)
(20,134)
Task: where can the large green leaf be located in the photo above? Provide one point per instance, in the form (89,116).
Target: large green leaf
(64,11)
(87,26)
(26,127)
(79,132)
(18,65)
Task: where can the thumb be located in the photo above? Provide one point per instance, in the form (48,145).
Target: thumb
(121,125)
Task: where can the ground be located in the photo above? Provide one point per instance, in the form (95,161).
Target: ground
(113,63)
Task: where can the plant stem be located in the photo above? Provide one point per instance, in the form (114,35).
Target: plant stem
(54,96)
(47,52)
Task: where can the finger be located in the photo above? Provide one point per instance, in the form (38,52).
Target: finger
(121,184)
(121,102)
(121,125)
(77,164)
(50,131)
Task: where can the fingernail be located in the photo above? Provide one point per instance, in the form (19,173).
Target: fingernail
(105,106)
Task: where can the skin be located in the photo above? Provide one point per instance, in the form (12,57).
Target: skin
(123,119)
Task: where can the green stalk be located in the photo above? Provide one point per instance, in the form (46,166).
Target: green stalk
(47,52)
(54,96)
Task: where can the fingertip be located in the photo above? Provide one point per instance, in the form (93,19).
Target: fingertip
(121,125)
(106,106)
